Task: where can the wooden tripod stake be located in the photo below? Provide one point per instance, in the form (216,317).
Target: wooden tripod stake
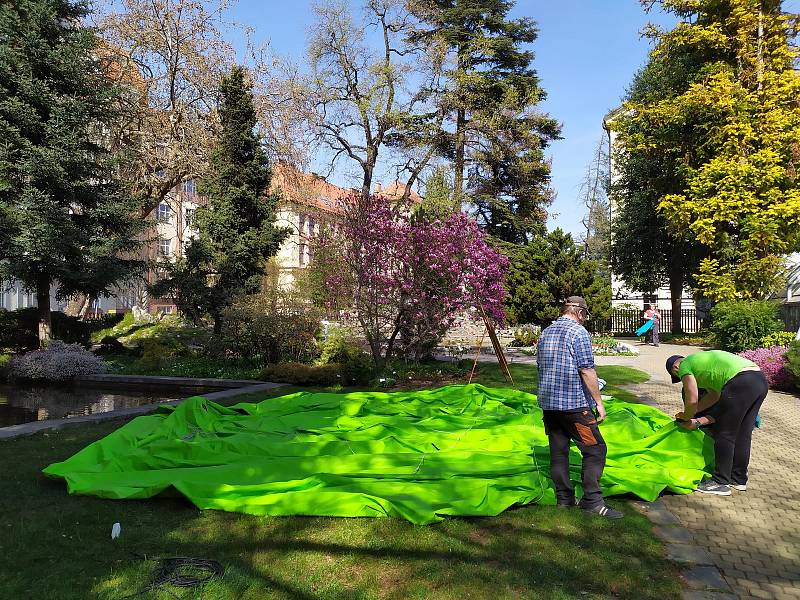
(498,349)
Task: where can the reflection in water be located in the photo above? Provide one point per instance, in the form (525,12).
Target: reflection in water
(23,404)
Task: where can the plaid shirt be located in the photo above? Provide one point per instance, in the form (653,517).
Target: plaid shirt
(564,347)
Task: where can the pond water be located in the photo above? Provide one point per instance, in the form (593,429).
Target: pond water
(23,404)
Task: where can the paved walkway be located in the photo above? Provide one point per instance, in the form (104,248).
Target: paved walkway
(753,536)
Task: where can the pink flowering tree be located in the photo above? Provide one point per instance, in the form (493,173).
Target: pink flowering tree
(405,278)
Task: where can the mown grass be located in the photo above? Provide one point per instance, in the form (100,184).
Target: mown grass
(59,546)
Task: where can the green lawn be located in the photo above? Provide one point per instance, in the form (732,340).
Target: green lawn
(59,546)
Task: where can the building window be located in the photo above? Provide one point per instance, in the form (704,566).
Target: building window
(164,247)
(302,228)
(164,212)
(189,218)
(189,186)
(302,255)
(311,226)
(166,310)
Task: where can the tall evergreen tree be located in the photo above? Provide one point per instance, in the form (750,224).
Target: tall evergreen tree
(483,114)
(64,220)
(236,230)
(548,270)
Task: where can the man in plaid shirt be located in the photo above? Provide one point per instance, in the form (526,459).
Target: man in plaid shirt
(569,395)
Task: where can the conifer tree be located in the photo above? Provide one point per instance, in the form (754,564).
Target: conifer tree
(545,272)
(485,114)
(64,220)
(236,230)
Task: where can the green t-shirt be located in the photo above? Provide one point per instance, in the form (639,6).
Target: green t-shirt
(713,369)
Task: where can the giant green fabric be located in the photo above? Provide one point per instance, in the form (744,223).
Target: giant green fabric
(456,450)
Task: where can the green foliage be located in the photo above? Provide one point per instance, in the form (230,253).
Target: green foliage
(125,325)
(731,132)
(65,219)
(484,120)
(252,328)
(205,366)
(439,201)
(236,231)
(646,253)
(18,329)
(340,346)
(548,270)
(779,338)
(739,325)
(526,335)
(302,374)
(170,330)
(793,360)
(156,354)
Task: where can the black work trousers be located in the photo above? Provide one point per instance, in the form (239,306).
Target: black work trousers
(740,400)
(581,426)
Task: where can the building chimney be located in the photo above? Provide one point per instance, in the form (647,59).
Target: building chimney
(378,188)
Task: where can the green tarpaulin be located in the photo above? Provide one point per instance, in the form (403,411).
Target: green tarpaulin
(456,450)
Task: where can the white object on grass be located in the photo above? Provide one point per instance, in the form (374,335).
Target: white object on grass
(601,383)
(116,528)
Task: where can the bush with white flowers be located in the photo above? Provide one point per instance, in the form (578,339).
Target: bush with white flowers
(57,362)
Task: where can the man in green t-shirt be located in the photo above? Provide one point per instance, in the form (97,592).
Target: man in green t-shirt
(735,388)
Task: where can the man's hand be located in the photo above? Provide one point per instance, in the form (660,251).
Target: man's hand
(680,416)
(601,412)
(690,424)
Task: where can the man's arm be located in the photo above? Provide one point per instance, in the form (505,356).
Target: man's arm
(707,401)
(690,393)
(589,376)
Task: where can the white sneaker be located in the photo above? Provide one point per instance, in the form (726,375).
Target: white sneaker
(739,487)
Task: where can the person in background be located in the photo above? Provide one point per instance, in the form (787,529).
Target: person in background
(735,390)
(652,335)
(569,395)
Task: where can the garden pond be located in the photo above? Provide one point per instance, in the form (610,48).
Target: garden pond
(24,404)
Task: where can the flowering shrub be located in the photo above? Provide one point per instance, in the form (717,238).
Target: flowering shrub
(57,362)
(772,362)
(405,278)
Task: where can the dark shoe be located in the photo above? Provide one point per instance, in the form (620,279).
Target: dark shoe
(712,487)
(739,487)
(573,504)
(604,511)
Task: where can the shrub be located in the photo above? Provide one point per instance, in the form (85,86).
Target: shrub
(57,362)
(156,354)
(251,328)
(793,359)
(739,325)
(5,359)
(525,336)
(303,374)
(340,347)
(780,338)
(774,364)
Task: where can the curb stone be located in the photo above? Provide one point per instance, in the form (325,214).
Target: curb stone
(703,580)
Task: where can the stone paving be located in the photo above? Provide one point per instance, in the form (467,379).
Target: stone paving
(752,537)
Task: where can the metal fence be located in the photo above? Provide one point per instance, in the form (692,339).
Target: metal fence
(628,321)
(790,315)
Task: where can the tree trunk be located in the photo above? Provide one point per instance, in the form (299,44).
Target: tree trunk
(458,163)
(217,323)
(676,293)
(43,304)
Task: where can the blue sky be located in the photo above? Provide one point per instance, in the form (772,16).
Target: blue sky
(586,55)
